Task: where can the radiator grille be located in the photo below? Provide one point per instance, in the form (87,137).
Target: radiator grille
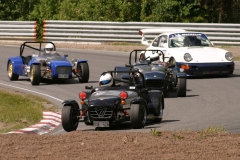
(155,83)
(101,112)
(64,70)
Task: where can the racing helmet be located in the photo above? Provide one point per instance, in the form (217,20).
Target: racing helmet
(106,80)
(49,48)
(154,57)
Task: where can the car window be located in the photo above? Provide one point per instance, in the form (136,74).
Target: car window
(188,39)
(163,41)
(155,42)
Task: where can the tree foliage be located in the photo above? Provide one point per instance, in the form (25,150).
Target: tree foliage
(190,11)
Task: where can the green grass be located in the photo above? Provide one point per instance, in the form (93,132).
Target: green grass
(236,58)
(214,129)
(20,111)
(155,132)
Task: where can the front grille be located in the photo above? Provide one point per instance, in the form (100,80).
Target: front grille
(100,112)
(64,70)
(155,83)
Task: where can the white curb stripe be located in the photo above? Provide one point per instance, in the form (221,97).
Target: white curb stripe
(49,122)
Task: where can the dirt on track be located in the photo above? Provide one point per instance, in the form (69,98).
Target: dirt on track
(121,145)
(113,145)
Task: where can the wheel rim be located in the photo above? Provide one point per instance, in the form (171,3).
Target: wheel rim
(143,115)
(31,74)
(10,68)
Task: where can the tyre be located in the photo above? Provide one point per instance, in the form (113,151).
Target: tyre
(158,117)
(70,118)
(83,71)
(138,116)
(35,74)
(12,76)
(181,87)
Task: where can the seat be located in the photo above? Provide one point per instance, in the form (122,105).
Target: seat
(186,42)
(198,42)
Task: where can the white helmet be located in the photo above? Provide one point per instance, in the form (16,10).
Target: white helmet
(49,48)
(154,57)
(106,80)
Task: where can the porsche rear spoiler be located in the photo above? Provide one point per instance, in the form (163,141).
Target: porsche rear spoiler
(143,32)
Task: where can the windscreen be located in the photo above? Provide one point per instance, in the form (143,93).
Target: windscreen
(188,40)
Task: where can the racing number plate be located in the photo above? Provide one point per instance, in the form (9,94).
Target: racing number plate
(101,123)
(62,75)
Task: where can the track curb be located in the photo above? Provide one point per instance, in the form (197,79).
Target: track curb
(48,123)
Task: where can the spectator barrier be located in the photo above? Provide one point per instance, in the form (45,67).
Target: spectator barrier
(104,31)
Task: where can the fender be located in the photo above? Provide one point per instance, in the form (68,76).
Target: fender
(70,102)
(138,101)
(82,61)
(120,68)
(17,64)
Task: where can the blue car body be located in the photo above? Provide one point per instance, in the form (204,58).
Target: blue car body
(45,66)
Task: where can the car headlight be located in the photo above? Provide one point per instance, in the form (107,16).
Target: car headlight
(74,61)
(188,57)
(229,56)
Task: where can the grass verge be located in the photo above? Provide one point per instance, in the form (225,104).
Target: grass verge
(236,58)
(19,111)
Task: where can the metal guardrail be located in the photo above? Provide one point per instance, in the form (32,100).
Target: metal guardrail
(94,31)
(18,30)
(104,31)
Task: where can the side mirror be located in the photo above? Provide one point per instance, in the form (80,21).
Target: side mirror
(89,87)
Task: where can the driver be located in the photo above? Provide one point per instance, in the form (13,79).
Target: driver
(148,55)
(106,80)
(49,48)
(154,58)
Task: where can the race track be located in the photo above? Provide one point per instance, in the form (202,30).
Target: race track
(209,102)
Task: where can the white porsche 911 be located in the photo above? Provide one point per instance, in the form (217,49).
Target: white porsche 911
(190,52)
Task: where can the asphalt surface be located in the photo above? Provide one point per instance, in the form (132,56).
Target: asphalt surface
(210,102)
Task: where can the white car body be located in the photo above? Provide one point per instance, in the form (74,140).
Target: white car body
(191,52)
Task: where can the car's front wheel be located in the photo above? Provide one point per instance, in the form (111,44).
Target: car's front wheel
(35,74)
(138,116)
(12,76)
(83,71)
(182,87)
(158,116)
(70,118)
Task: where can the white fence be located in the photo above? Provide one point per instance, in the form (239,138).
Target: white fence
(18,30)
(103,31)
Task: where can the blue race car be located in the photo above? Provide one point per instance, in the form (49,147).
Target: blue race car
(45,65)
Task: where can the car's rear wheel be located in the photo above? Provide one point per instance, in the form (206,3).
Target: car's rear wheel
(83,70)
(12,76)
(70,118)
(181,87)
(138,116)
(35,74)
